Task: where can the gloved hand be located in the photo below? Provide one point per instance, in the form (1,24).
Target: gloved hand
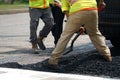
(56,3)
(101,6)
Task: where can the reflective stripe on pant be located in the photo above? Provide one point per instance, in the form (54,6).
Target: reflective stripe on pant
(90,21)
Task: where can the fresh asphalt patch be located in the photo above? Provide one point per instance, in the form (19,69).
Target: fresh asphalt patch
(90,63)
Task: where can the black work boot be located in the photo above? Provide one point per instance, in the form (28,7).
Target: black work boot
(35,48)
(40,43)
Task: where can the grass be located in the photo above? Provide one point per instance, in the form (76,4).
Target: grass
(16,5)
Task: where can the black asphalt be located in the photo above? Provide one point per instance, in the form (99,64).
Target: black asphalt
(90,63)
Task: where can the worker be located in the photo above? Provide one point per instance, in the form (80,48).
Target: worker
(58,17)
(80,12)
(39,9)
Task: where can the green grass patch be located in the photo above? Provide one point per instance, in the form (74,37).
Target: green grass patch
(8,6)
(16,5)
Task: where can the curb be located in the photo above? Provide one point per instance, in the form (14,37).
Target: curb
(19,74)
(13,11)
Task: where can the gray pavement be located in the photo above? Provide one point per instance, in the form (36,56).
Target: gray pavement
(13,11)
(15,47)
(14,40)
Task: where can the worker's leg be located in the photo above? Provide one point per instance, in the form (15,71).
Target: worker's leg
(96,37)
(72,25)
